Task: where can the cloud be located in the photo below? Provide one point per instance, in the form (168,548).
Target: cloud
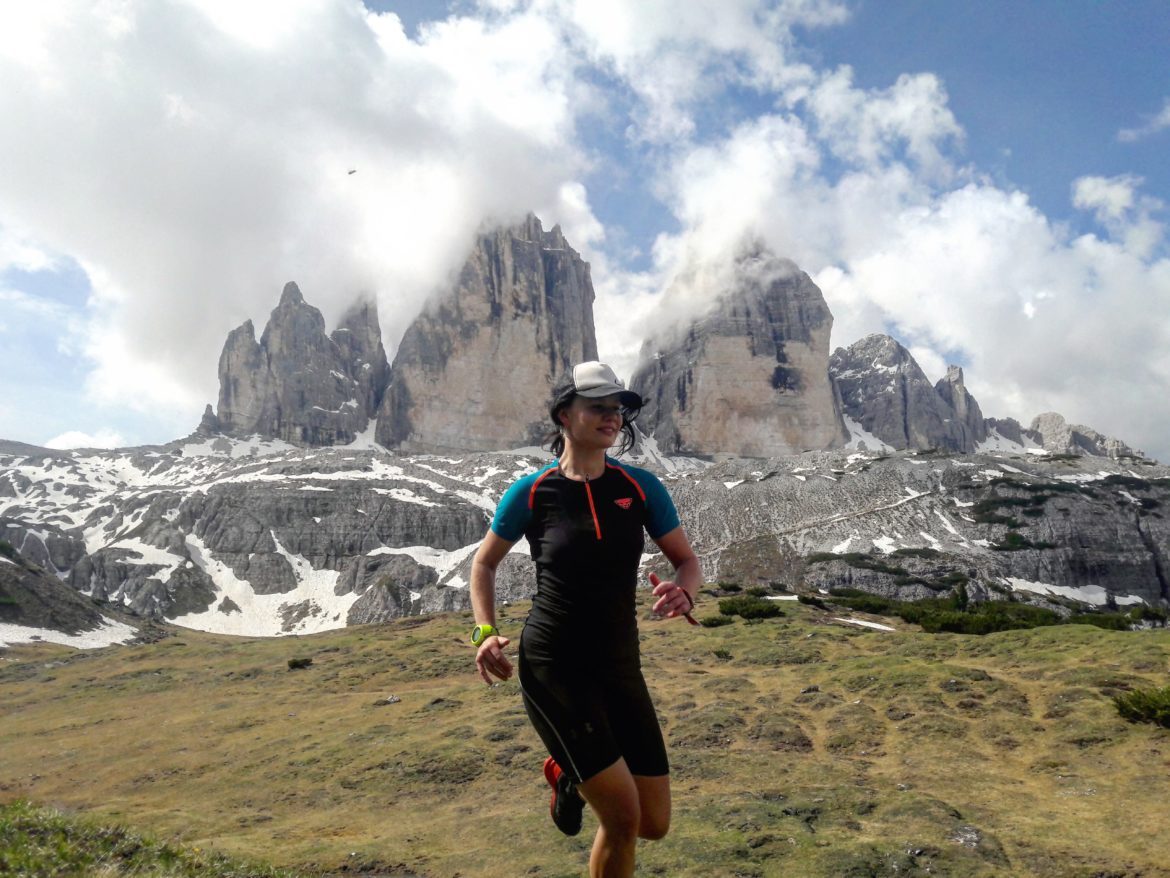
(960,270)
(76,439)
(18,251)
(674,56)
(193,157)
(1154,124)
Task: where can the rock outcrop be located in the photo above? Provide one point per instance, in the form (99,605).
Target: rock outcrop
(968,421)
(297,383)
(885,391)
(750,377)
(1054,434)
(474,370)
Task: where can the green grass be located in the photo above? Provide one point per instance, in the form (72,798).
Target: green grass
(44,843)
(799,745)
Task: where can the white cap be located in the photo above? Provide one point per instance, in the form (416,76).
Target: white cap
(594,379)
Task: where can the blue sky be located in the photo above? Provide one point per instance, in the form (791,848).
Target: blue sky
(986,181)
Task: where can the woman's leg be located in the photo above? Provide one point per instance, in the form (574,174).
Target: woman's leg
(653,806)
(613,796)
(628,807)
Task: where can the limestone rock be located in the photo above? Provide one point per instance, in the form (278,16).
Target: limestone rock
(751,376)
(1058,436)
(474,370)
(968,420)
(243,383)
(297,383)
(885,391)
(359,340)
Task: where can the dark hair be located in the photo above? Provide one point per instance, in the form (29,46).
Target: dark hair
(563,395)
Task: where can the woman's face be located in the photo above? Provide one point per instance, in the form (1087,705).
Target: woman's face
(592,423)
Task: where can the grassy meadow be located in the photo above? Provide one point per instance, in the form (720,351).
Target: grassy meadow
(801,746)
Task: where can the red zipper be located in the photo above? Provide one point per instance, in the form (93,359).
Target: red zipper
(592,508)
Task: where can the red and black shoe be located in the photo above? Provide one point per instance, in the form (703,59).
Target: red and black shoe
(566,804)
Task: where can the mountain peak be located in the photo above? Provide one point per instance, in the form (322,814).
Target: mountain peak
(291,295)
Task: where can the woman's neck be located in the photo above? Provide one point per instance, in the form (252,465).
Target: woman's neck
(582,465)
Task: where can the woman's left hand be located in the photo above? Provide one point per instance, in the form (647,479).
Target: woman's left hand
(673,599)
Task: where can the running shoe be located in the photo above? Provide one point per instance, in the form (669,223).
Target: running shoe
(566,803)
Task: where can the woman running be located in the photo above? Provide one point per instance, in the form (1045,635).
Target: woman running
(580,672)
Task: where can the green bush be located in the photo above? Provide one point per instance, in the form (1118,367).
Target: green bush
(757,591)
(1145,706)
(716,621)
(7,550)
(1108,621)
(749,607)
(1142,613)
(722,654)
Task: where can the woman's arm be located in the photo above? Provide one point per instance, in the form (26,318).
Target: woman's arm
(490,658)
(676,597)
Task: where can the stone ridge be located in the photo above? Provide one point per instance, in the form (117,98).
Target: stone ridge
(297,383)
(884,389)
(474,370)
(750,377)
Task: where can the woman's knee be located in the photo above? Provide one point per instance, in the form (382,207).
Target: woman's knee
(653,827)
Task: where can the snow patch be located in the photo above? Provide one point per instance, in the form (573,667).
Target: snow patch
(877,626)
(946,523)
(108,634)
(885,545)
(1088,594)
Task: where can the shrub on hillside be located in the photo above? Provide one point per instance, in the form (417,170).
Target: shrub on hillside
(1145,706)
(749,607)
(1108,621)
(716,621)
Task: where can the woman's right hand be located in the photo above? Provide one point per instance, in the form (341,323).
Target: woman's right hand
(490,659)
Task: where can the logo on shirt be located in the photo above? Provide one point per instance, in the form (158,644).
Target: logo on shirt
(624,502)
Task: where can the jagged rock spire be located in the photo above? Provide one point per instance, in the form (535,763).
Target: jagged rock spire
(750,377)
(297,383)
(474,370)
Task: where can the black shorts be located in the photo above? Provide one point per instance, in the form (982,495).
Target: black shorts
(589,717)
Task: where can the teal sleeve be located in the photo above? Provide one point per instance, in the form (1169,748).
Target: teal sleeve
(661,516)
(512,513)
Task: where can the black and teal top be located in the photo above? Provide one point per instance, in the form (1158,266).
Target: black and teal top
(586,539)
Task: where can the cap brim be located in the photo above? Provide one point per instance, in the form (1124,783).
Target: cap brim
(627,398)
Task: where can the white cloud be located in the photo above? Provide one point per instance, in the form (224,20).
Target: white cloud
(76,439)
(871,128)
(194,156)
(672,55)
(1110,198)
(1154,124)
(19,252)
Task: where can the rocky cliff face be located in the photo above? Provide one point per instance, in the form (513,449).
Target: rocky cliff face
(475,369)
(297,383)
(750,377)
(237,538)
(1053,433)
(887,393)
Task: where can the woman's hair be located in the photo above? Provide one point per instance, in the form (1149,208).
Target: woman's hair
(563,396)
